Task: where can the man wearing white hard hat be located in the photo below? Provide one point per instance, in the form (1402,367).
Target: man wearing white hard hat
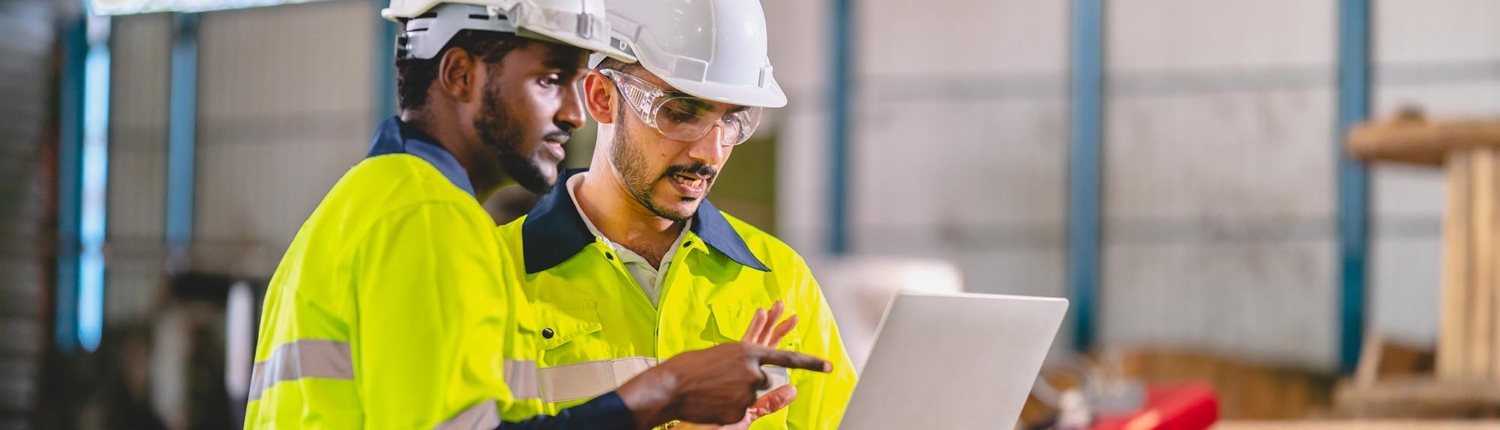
(392,307)
(628,262)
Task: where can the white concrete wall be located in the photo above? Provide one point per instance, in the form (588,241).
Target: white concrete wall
(958,139)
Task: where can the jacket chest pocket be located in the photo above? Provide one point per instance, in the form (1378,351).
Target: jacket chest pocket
(728,322)
(569,333)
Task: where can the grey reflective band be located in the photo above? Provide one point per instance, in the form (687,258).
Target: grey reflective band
(590,379)
(309,358)
(329,359)
(481,416)
(520,376)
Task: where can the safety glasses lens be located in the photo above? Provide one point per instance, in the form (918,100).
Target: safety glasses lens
(685,118)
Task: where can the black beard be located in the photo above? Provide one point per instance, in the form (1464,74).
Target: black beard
(502,134)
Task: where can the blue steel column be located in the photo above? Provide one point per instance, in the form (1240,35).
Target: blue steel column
(840,96)
(1084,167)
(93,177)
(1353,183)
(69,186)
(385,67)
(182,136)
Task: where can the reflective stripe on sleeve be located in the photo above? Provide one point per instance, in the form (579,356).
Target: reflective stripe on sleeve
(481,416)
(308,358)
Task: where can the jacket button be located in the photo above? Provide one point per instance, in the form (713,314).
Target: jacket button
(610,256)
(547,333)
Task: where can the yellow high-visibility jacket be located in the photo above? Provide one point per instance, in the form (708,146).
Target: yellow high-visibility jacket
(598,328)
(393,308)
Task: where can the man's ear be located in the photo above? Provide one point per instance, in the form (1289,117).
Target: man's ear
(599,95)
(457,74)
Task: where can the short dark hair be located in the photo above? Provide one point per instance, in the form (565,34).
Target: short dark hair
(613,64)
(414,76)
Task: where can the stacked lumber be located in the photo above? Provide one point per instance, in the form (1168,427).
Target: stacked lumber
(1467,368)
(1411,139)
(1469,153)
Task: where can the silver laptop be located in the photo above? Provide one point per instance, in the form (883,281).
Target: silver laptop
(953,361)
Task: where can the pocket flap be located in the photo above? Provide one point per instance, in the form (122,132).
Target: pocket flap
(562,322)
(732,319)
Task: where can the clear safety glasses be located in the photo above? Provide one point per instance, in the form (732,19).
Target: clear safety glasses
(682,117)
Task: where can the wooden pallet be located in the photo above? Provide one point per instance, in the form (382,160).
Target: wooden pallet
(1418,397)
(1396,381)
(1358,425)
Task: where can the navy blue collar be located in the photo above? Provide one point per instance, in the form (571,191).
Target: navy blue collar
(554,231)
(396,137)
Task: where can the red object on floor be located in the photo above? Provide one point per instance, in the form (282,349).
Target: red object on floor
(1169,407)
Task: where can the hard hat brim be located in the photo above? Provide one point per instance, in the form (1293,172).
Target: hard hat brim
(769,96)
(586,44)
(523,29)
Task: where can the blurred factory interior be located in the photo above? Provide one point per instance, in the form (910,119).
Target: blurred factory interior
(1176,168)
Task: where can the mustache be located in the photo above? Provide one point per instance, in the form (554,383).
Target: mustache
(698,169)
(560,136)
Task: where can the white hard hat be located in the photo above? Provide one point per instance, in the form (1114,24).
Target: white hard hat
(431,23)
(713,49)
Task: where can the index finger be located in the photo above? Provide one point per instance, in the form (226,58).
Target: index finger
(791,360)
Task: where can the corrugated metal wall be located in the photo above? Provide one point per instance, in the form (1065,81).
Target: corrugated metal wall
(1219,179)
(136,256)
(286,103)
(961,139)
(798,43)
(1219,185)
(26,44)
(285,106)
(1218,158)
(959,142)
